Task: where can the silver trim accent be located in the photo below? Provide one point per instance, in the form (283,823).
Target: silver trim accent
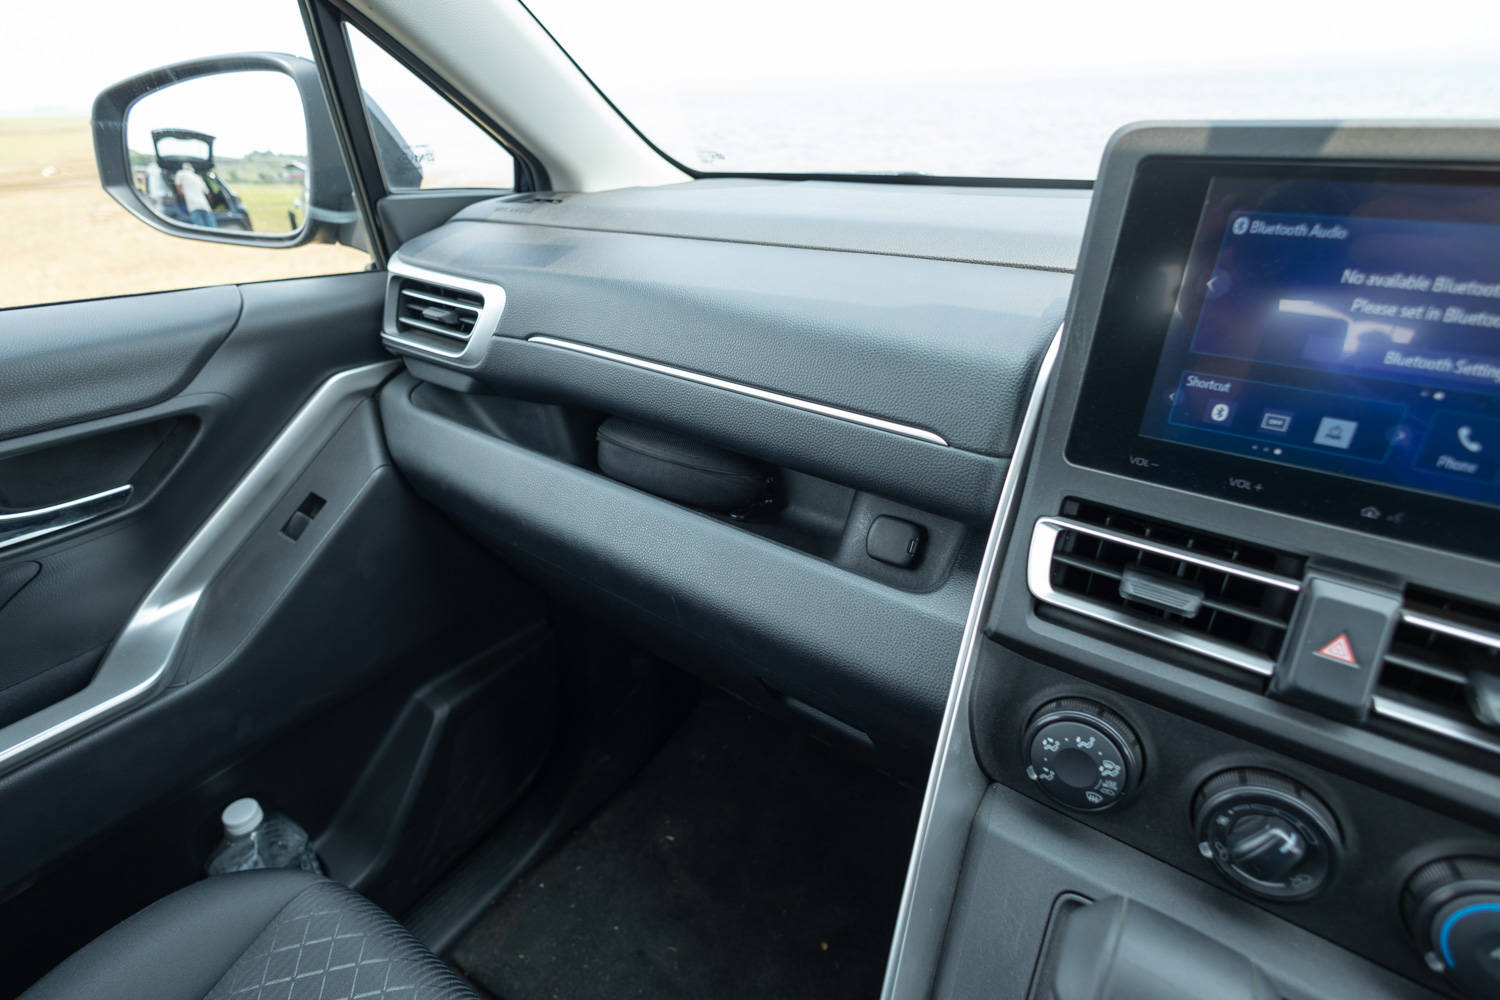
(468,351)
(1478,637)
(1439,725)
(139,662)
(20,526)
(953,737)
(822,409)
(1173,552)
(1039,581)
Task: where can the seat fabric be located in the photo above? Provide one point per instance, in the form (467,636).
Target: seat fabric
(268,935)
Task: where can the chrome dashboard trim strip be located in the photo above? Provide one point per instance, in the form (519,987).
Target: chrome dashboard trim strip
(822,409)
(471,351)
(1173,552)
(926,887)
(139,663)
(1454,630)
(1438,725)
(1039,580)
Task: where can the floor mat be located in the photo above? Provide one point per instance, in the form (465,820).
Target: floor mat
(746,860)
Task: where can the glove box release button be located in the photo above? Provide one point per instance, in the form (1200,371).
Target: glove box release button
(894,541)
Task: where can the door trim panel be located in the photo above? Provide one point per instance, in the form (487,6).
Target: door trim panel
(139,661)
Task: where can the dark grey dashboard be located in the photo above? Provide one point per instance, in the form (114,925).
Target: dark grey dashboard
(870,346)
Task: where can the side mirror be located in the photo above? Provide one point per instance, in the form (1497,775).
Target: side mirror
(230,149)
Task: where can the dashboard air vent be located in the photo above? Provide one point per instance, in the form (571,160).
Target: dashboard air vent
(1204,592)
(1442,672)
(436,310)
(448,317)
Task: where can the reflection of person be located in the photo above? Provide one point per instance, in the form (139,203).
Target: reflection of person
(194,194)
(156,188)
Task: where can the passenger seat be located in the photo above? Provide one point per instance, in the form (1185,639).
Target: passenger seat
(261,935)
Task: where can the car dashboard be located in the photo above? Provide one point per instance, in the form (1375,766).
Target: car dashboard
(1208,527)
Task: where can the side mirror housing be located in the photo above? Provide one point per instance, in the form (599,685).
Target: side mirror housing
(210,149)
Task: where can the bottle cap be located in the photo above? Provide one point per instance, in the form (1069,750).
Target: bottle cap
(241,816)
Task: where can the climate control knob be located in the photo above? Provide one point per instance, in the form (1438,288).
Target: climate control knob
(1266,834)
(1081,754)
(1452,909)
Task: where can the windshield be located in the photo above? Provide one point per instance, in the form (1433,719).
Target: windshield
(962,88)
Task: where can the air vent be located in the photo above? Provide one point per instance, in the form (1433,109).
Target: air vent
(1442,672)
(1215,596)
(434,309)
(435,314)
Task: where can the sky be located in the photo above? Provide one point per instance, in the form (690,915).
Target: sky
(672,42)
(666,62)
(854,41)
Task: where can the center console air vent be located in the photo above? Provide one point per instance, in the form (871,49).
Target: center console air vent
(1442,672)
(443,315)
(1217,597)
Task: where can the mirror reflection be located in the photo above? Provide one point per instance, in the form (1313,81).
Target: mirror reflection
(223,152)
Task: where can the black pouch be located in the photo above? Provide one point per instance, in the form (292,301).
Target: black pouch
(682,469)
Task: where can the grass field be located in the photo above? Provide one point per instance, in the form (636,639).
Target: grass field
(64,238)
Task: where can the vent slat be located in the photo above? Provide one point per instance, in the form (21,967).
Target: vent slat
(1441,643)
(441,331)
(435,317)
(441,300)
(1248,593)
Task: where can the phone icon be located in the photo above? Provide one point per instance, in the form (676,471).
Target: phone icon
(1466,438)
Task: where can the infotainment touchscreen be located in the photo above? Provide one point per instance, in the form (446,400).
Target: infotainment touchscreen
(1321,340)
(1342,326)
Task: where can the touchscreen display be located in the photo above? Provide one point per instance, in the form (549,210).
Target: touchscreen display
(1341,326)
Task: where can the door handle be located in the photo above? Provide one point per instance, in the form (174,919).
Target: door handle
(19,526)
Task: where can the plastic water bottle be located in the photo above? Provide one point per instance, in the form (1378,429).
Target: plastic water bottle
(254,840)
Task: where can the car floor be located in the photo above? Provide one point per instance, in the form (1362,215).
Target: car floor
(745,860)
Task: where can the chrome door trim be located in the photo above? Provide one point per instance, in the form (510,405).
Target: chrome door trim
(926,887)
(18,526)
(140,661)
(797,402)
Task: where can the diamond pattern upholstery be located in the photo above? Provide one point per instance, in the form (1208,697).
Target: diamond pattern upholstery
(329,943)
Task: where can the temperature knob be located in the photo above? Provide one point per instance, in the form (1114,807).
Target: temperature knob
(1081,754)
(1452,908)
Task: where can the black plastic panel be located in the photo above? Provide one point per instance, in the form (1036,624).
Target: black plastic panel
(1385,839)
(958,484)
(875,657)
(122,354)
(1022,857)
(943,346)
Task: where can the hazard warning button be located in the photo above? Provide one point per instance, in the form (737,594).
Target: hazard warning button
(1333,649)
(1340,649)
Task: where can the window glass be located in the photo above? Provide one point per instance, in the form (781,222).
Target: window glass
(424,141)
(1004,89)
(61,236)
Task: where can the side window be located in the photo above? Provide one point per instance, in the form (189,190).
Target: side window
(64,237)
(423,141)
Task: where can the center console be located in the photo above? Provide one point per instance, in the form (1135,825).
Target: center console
(1226,721)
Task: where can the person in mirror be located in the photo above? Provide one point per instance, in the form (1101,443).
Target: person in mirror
(194,193)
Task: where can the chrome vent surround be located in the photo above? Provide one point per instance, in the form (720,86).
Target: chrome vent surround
(441,315)
(1078,561)
(1441,646)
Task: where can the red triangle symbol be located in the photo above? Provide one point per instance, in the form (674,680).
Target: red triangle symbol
(1340,649)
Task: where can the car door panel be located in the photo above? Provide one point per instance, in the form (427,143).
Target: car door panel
(280,625)
(122,354)
(287,337)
